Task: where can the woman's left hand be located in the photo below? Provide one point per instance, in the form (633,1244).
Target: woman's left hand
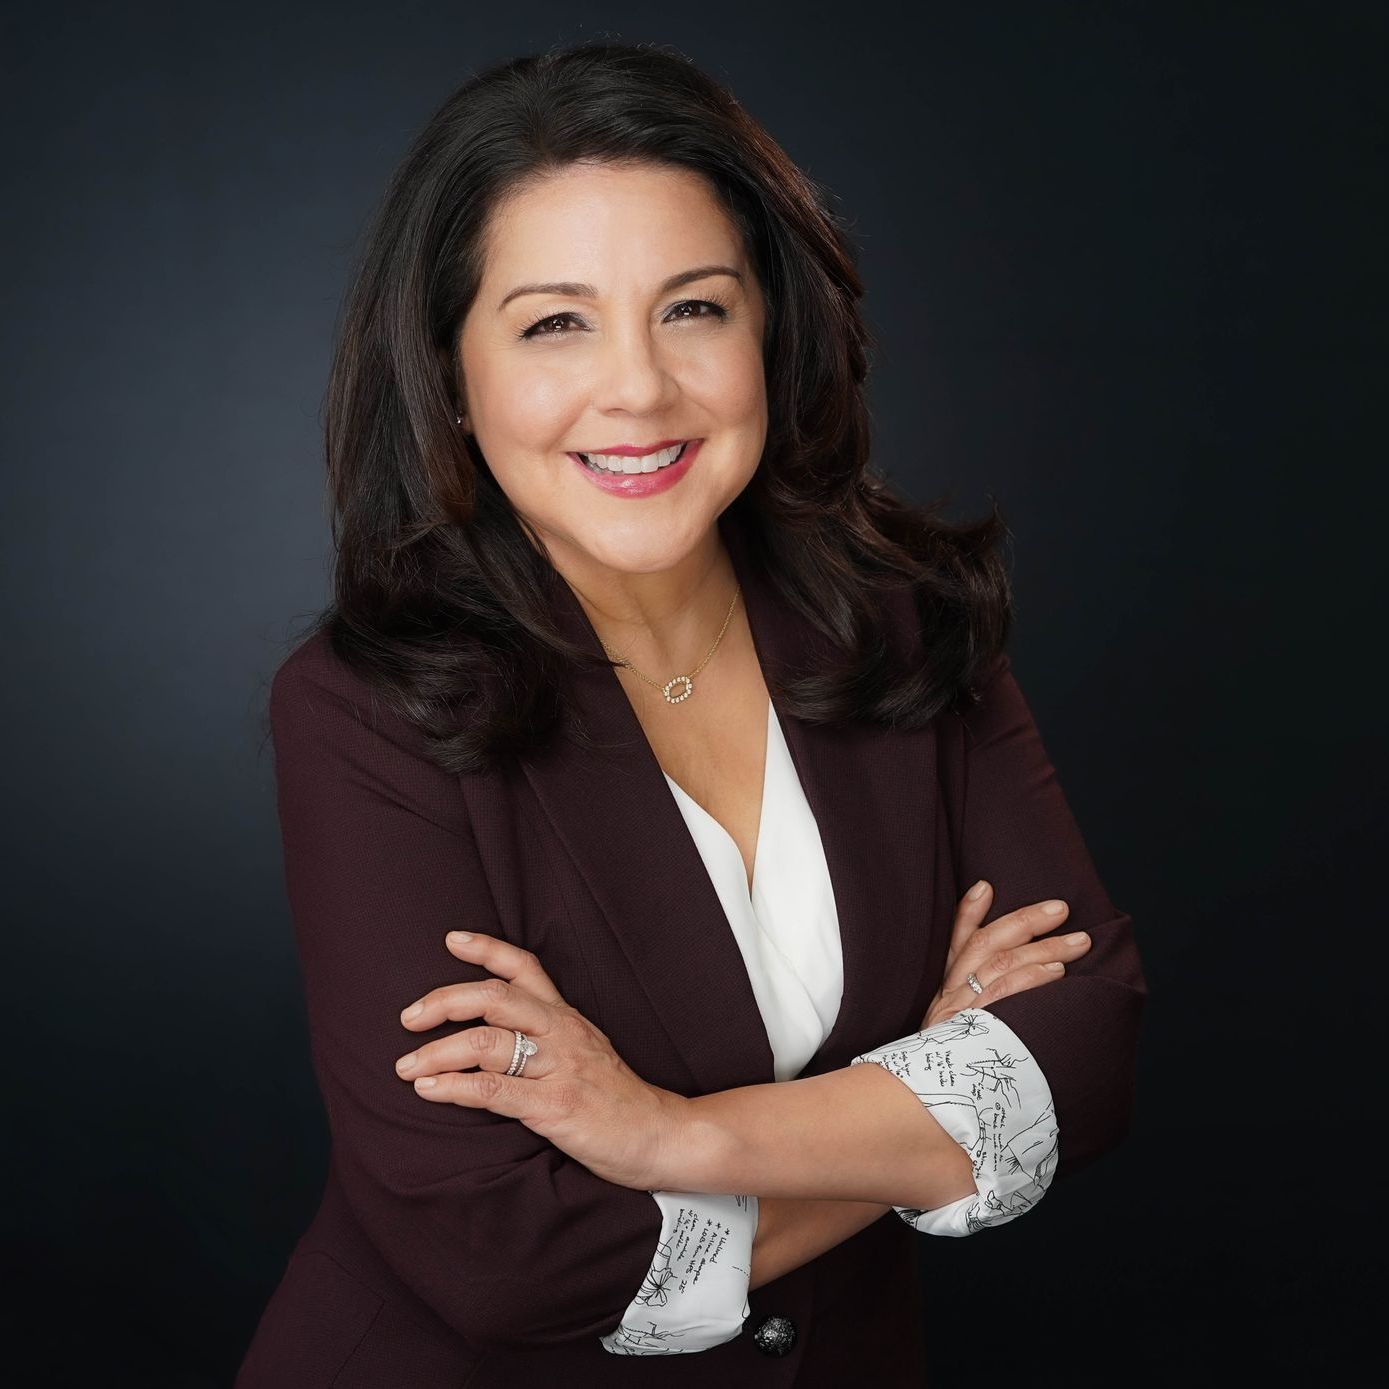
(575,1090)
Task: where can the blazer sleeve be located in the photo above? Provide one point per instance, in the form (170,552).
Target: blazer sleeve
(1018,832)
(508,1239)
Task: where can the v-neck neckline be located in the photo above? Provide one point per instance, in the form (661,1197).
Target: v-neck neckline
(603,775)
(750,885)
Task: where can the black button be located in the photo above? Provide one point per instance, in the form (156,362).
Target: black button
(774,1335)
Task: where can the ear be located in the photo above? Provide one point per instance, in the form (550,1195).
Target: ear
(455,384)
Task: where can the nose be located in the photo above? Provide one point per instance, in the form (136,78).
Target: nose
(631,373)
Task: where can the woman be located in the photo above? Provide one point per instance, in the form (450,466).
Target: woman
(639,674)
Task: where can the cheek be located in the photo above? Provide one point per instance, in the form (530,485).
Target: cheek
(530,408)
(519,413)
(732,385)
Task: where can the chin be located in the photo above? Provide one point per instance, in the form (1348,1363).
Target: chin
(637,548)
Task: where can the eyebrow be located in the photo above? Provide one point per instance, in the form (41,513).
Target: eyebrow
(569,289)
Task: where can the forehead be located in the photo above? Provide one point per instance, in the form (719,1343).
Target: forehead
(605,223)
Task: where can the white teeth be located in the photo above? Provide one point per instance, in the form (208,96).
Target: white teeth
(648,463)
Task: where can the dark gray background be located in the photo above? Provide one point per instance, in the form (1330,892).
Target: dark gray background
(1126,266)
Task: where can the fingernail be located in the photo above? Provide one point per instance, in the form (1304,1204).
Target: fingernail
(406,1062)
(1077,938)
(460,937)
(1055,966)
(978,890)
(427,1082)
(413,1011)
(1053,908)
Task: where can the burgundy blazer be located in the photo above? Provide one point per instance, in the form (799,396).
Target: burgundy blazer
(455,1247)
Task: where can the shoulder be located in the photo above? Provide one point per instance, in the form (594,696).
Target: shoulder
(312,664)
(312,681)
(315,694)
(992,679)
(344,749)
(999,713)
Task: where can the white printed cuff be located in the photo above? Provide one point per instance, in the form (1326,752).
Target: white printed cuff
(696,1293)
(979,1082)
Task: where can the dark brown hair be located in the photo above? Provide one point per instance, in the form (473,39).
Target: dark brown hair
(439,592)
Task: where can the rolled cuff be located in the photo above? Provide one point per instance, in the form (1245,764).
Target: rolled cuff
(988,1093)
(695,1294)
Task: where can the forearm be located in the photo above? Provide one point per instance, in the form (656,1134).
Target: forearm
(792,1232)
(856,1134)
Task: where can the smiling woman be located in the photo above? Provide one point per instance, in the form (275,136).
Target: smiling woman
(618,385)
(639,672)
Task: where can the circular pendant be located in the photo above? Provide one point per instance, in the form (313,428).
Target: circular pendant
(688,690)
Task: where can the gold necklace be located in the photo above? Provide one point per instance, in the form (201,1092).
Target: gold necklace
(686,680)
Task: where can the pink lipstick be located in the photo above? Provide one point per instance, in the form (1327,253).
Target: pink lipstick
(639,484)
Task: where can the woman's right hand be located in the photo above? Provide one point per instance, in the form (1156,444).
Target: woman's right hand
(1002,956)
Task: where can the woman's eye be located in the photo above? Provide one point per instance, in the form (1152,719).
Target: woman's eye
(542,327)
(716,310)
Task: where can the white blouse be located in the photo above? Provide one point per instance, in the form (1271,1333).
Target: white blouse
(970,1070)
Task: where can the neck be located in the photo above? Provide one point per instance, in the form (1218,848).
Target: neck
(662,620)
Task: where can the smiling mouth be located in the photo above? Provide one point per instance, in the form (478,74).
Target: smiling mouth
(648,463)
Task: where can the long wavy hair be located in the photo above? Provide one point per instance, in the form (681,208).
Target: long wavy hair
(440,591)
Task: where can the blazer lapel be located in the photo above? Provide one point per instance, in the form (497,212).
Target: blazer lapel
(872,792)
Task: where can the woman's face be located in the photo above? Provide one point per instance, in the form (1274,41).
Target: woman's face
(612,355)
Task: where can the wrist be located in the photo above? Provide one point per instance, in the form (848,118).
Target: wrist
(696,1153)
